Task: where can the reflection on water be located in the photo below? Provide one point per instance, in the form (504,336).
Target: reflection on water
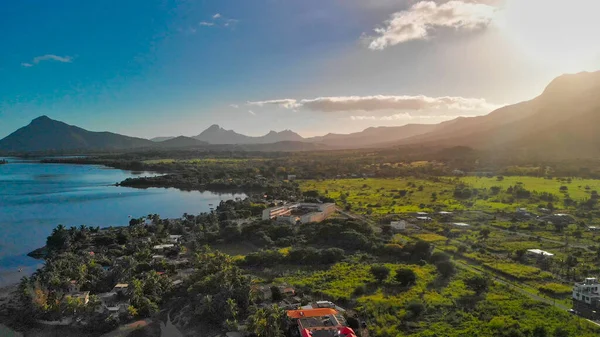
(35,197)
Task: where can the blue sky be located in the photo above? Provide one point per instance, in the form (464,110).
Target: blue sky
(154,68)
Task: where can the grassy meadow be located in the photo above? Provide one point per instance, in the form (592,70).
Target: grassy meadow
(435,306)
(407,194)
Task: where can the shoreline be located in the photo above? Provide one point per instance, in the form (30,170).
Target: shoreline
(7,326)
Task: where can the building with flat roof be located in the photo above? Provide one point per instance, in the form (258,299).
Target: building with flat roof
(586,298)
(299,212)
(82,297)
(321,322)
(398,225)
(164,246)
(539,252)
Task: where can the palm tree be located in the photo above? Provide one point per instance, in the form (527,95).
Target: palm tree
(267,322)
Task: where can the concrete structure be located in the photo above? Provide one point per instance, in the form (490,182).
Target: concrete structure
(559,218)
(586,298)
(73,287)
(121,288)
(461,225)
(82,297)
(112,303)
(175,238)
(539,252)
(165,246)
(275,212)
(321,305)
(398,225)
(299,212)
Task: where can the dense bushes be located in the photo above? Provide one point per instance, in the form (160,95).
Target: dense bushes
(297,256)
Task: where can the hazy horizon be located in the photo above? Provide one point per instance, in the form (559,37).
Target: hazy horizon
(166,68)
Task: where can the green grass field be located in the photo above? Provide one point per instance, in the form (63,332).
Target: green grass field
(382,196)
(576,188)
(401,195)
(449,307)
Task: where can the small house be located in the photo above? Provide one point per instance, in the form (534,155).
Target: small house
(73,287)
(81,297)
(539,252)
(121,288)
(175,238)
(398,225)
(164,246)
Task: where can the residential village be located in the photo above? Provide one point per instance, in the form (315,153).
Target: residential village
(155,259)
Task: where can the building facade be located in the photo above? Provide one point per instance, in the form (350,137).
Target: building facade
(586,298)
(299,212)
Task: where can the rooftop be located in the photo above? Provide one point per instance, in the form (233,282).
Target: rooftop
(539,252)
(169,245)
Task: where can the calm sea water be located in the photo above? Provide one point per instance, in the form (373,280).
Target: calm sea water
(35,197)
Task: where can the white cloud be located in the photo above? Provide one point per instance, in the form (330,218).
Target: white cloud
(220,20)
(363,118)
(284,103)
(252,112)
(47,57)
(230,22)
(235,106)
(382,102)
(418,21)
(404,116)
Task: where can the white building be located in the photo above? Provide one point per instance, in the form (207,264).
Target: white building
(175,238)
(461,225)
(165,246)
(539,252)
(586,298)
(313,212)
(275,212)
(398,225)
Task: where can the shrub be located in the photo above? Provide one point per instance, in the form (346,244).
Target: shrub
(380,272)
(406,277)
(445,268)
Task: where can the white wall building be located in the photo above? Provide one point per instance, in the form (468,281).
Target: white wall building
(315,212)
(398,225)
(539,252)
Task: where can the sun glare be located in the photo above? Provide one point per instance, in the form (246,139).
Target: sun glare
(560,33)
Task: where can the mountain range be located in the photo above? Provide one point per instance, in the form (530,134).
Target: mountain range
(562,120)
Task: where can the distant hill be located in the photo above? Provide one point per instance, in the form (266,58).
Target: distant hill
(373,136)
(160,139)
(45,134)
(217,135)
(179,142)
(561,122)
